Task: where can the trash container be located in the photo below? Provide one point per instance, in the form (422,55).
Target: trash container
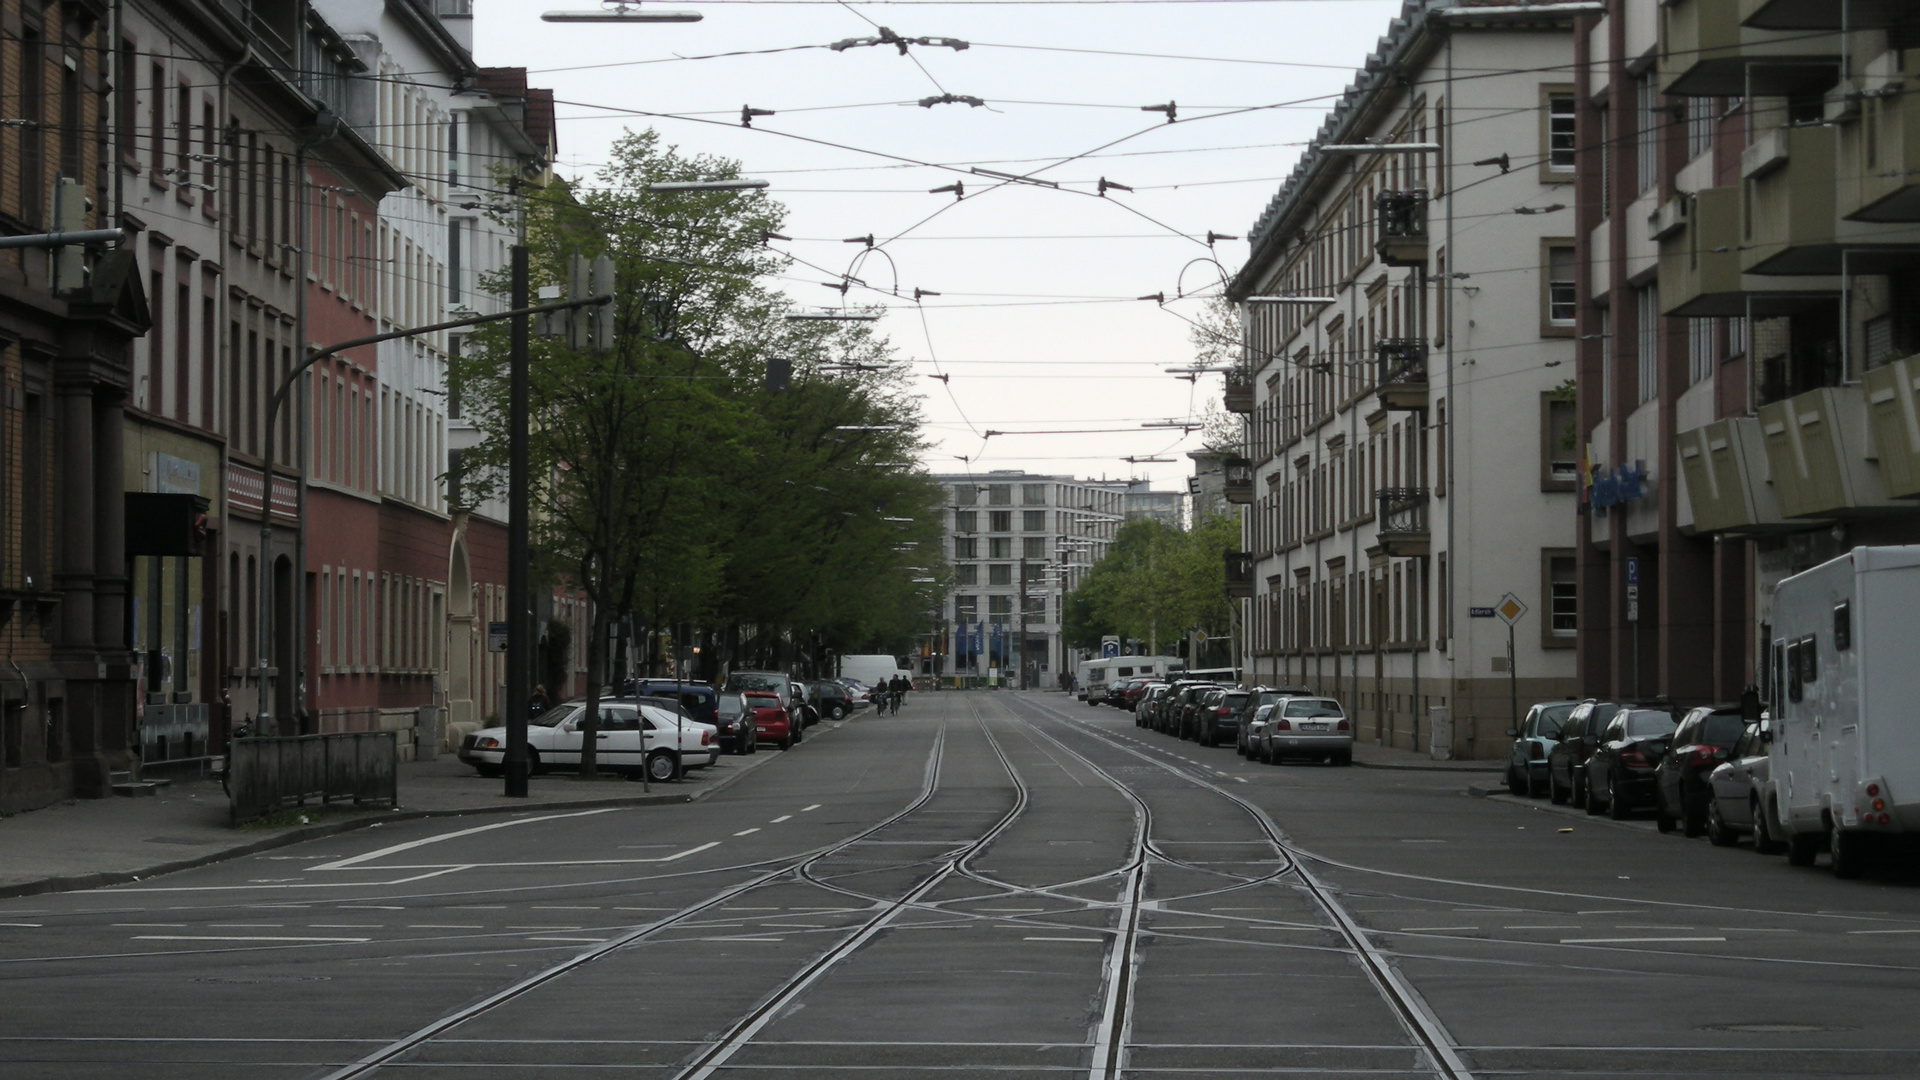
(427,734)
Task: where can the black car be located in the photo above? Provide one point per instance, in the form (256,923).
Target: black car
(1173,711)
(697,700)
(1567,761)
(735,722)
(1704,741)
(831,698)
(1219,716)
(1620,770)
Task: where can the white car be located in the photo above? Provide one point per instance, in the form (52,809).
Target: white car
(554,737)
(1307,727)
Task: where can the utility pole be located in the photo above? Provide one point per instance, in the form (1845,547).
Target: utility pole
(519,626)
(1023,623)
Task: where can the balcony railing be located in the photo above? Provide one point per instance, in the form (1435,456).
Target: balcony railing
(1239,396)
(1402,521)
(1402,372)
(1239,574)
(1238,486)
(1403,227)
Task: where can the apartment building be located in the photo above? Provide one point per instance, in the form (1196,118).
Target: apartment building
(1018,543)
(1408,348)
(1747,248)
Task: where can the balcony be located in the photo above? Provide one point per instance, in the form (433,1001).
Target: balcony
(1239,574)
(1789,218)
(1726,473)
(1238,485)
(1817,447)
(1879,162)
(1402,373)
(1700,267)
(1706,52)
(1402,522)
(1403,228)
(1821,14)
(1893,415)
(1239,396)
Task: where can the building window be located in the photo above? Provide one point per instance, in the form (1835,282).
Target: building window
(1699,349)
(1033,521)
(967,574)
(966,609)
(966,521)
(1000,574)
(1559,115)
(1560,443)
(999,494)
(999,521)
(966,494)
(966,547)
(1647,314)
(1561,294)
(1000,547)
(1000,608)
(1563,597)
(1033,494)
(1646,143)
(1033,547)
(1699,126)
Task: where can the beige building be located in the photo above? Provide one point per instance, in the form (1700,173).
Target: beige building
(1409,323)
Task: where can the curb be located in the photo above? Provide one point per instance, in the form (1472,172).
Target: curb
(105,878)
(1358,764)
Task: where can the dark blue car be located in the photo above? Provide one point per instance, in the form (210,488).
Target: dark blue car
(701,702)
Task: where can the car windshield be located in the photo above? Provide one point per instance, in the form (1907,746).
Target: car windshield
(761,700)
(1551,717)
(556,716)
(1722,729)
(754,682)
(1649,724)
(1234,701)
(731,704)
(1313,709)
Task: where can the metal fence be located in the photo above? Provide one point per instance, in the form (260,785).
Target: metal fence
(267,773)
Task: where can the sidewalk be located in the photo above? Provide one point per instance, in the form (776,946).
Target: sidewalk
(1369,755)
(93,842)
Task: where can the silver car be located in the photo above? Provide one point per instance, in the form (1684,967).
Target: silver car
(1315,727)
(1739,788)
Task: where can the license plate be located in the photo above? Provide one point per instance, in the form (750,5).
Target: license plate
(1313,727)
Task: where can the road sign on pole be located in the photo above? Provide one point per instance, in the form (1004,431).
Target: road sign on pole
(1509,609)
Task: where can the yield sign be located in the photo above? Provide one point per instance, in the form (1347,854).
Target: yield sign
(1510,609)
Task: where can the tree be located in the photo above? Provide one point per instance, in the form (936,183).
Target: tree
(1157,582)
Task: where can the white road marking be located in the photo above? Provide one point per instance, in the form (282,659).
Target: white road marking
(815,806)
(563,907)
(344,925)
(1552,926)
(21,924)
(371,907)
(1422,929)
(1614,911)
(746,832)
(1628,940)
(216,937)
(1883,931)
(355,860)
(592,940)
(448,869)
(781,818)
(244,925)
(546,928)
(444,926)
(146,925)
(740,938)
(1093,939)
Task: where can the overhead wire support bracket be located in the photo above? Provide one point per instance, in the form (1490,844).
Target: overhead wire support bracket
(1111,185)
(951,99)
(958,187)
(748,112)
(1170,108)
(888,37)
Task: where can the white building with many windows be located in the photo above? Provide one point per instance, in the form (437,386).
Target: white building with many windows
(1412,457)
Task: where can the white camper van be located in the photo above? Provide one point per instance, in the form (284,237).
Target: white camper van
(872,669)
(1845,759)
(1096,675)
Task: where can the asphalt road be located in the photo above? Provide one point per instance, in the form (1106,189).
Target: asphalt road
(987,884)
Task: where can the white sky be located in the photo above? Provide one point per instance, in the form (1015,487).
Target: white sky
(1019,358)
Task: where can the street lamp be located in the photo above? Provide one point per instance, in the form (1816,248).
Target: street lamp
(621,13)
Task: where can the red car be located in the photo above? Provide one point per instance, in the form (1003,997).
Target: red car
(770,720)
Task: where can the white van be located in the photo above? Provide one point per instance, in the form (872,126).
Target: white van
(872,669)
(1096,675)
(1844,766)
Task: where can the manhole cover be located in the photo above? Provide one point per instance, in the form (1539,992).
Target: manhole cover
(1771,1029)
(252,979)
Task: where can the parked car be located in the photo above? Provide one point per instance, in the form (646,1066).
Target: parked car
(1247,742)
(631,736)
(831,699)
(734,724)
(1179,714)
(1620,770)
(799,707)
(1314,727)
(1567,758)
(772,722)
(1739,786)
(1149,701)
(1257,698)
(1527,761)
(1220,716)
(1136,690)
(1702,743)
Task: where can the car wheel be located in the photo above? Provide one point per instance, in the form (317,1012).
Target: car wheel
(798,733)
(838,712)
(491,772)
(1717,832)
(1266,754)
(1802,847)
(787,741)
(534,768)
(1555,792)
(1848,850)
(1535,788)
(1515,785)
(1616,806)
(1764,842)
(660,766)
(1694,810)
(1589,799)
(1662,820)
(1343,759)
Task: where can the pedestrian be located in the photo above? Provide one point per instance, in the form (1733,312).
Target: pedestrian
(897,692)
(537,702)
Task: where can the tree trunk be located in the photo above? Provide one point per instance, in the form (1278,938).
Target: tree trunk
(596,673)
